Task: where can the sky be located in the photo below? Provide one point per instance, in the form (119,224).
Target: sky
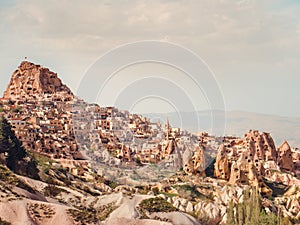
(252,48)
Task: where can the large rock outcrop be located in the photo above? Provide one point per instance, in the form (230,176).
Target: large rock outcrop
(249,160)
(31,81)
(242,160)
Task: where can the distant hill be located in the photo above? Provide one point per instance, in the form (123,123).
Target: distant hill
(237,123)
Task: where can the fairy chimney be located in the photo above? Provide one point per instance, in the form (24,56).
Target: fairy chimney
(285,159)
(222,167)
(196,164)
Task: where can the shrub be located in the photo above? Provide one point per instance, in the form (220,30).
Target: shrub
(91,215)
(52,191)
(156,205)
(31,169)
(5,174)
(111,184)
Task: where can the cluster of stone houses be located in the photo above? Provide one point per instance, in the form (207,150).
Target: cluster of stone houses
(49,119)
(63,129)
(130,138)
(42,126)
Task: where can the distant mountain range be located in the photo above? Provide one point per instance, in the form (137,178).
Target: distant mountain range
(236,123)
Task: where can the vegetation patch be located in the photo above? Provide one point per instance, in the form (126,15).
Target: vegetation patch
(40,211)
(170,195)
(44,162)
(52,191)
(51,173)
(111,184)
(84,215)
(155,205)
(8,177)
(16,160)
(251,212)
(189,192)
(142,189)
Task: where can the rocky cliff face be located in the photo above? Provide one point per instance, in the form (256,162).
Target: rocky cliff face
(31,81)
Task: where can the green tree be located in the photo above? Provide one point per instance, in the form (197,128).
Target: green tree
(11,144)
(231,220)
(240,213)
(250,212)
(285,221)
(254,202)
(32,170)
(5,130)
(268,219)
(16,153)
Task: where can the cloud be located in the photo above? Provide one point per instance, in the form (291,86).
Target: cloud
(64,24)
(236,38)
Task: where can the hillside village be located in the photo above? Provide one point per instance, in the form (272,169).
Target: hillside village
(87,139)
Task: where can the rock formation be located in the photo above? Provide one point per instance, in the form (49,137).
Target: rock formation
(285,159)
(169,148)
(296,159)
(31,81)
(261,146)
(246,160)
(196,165)
(222,167)
(244,172)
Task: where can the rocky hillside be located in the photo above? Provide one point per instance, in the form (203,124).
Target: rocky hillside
(31,81)
(60,197)
(49,175)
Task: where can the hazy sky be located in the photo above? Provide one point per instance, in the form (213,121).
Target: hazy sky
(253,47)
